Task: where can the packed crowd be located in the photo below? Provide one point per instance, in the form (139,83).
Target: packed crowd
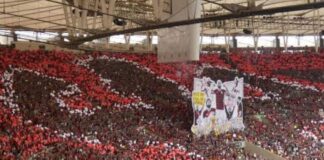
(122,106)
(306,69)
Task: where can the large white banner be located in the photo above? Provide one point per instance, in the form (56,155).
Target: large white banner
(217,107)
(180,44)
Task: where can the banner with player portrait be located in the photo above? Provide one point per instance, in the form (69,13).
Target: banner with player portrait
(217,107)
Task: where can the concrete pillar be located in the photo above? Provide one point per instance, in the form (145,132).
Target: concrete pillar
(256,42)
(317,42)
(127,40)
(316,27)
(298,40)
(227,43)
(285,38)
(37,38)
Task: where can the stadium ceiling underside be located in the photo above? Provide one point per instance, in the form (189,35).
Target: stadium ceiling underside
(95,16)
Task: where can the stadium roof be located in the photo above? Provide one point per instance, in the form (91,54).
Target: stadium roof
(49,15)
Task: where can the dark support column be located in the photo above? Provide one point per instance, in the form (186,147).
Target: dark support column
(61,36)
(234,42)
(277,42)
(321,40)
(14,36)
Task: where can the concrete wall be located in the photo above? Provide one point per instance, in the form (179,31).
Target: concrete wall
(253,149)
